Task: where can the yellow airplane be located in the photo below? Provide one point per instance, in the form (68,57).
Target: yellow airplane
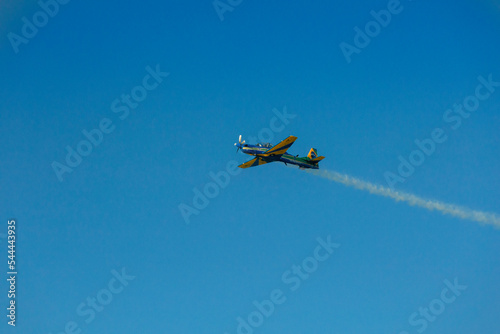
(266,153)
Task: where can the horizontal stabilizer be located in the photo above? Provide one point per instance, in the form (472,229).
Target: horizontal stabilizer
(318,159)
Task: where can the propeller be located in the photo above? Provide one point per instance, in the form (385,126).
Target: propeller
(239,143)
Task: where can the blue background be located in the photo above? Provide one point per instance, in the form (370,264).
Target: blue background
(120,207)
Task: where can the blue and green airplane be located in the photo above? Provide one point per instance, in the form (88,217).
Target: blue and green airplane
(265,153)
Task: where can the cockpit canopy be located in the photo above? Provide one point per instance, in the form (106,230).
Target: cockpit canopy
(267,145)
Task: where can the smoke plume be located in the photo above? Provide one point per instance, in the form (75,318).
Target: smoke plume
(413,200)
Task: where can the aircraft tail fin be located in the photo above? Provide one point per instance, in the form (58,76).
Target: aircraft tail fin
(313,154)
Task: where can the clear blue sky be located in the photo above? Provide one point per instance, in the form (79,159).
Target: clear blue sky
(119,208)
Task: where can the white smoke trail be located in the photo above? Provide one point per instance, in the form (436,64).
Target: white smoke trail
(444,208)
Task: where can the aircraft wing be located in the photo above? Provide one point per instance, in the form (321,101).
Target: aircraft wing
(280,148)
(253,163)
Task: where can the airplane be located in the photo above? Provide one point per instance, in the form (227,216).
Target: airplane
(265,153)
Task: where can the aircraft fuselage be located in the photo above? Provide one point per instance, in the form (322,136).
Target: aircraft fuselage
(258,150)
